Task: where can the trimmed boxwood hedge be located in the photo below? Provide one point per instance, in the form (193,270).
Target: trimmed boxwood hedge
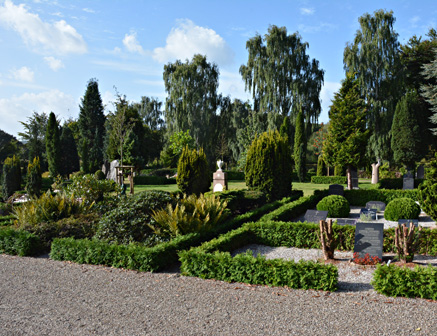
(401,281)
(336,205)
(18,242)
(153,180)
(396,183)
(361,196)
(329,179)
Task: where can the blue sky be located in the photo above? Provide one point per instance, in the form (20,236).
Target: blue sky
(50,49)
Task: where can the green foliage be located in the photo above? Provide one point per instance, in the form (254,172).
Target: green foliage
(268,166)
(9,146)
(7,220)
(17,242)
(427,195)
(320,166)
(130,220)
(34,137)
(429,88)
(47,208)
(194,176)
(405,130)
(153,180)
(241,201)
(53,144)
(401,281)
(396,183)
(235,175)
(402,208)
(190,214)
(329,179)
(99,175)
(336,205)
(300,147)
(361,197)
(34,179)
(69,161)
(92,128)
(11,178)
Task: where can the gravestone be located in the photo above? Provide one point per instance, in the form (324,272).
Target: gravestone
(109,170)
(354,177)
(370,214)
(336,189)
(379,206)
(346,221)
(315,216)
(369,239)
(408,181)
(408,221)
(220,181)
(420,173)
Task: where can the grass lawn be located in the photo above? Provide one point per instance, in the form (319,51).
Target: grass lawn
(307,187)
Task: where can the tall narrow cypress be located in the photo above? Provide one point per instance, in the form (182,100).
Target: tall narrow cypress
(53,148)
(299,147)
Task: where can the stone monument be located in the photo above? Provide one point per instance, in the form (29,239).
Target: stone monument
(220,181)
(369,239)
(408,181)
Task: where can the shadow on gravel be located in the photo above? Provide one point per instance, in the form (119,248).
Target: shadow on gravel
(344,286)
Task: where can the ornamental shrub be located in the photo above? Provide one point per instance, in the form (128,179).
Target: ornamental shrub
(89,188)
(194,176)
(320,166)
(130,220)
(336,205)
(402,208)
(11,179)
(427,194)
(34,178)
(269,165)
(99,175)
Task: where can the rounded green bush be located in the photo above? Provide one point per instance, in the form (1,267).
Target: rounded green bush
(402,208)
(99,175)
(337,206)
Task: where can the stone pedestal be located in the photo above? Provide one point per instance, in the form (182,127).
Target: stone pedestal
(220,181)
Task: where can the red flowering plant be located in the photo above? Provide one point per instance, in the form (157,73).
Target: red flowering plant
(367,260)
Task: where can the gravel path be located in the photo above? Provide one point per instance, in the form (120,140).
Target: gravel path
(45,297)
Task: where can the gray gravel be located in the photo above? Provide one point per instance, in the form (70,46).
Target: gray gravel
(45,297)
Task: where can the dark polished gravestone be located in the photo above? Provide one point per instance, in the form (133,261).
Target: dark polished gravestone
(420,172)
(346,221)
(315,216)
(379,206)
(336,189)
(408,221)
(367,214)
(354,178)
(369,239)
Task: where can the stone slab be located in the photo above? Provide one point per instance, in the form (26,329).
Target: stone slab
(315,216)
(369,239)
(408,183)
(336,189)
(346,221)
(378,205)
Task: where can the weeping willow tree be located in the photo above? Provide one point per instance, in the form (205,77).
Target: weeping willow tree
(373,59)
(281,76)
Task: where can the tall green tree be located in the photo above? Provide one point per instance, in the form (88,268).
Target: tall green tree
(69,155)
(34,178)
(9,146)
(281,76)
(405,140)
(150,111)
(11,177)
(53,145)
(347,137)
(192,99)
(33,137)
(373,58)
(92,128)
(429,90)
(300,147)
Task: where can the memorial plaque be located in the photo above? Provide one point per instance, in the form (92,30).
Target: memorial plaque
(346,221)
(369,239)
(379,206)
(408,221)
(315,216)
(408,183)
(367,214)
(336,189)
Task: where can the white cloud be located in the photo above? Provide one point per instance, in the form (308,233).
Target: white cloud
(231,83)
(58,37)
(317,28)
(414,20)
(88,10)
(108,98)
(23,74)
(327,94)
(188,39)
(19,108)
(131,43)
(307,11)
(54,63)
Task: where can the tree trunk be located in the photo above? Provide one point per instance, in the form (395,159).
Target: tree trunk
(349,178)
(375,172)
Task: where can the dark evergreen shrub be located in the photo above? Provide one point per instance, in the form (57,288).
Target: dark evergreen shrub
(427,194)
(337,206)
(34,179)
(194,176)
(402,208)
(99,175)
(129,221)
(320,166)
(269,165)
(11,179)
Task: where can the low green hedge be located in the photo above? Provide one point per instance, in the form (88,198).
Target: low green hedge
(17,242)
(212,260)
(153,180)
(329,179)
(360,197)
(151,258)
(234,175)
(396,183)
(401,281)
(6,220)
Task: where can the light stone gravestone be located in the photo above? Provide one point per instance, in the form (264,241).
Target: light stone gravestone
(408,182)
(336,189)
(315,216)
(220,181)
(378,205)
(346,221)
(369,239)
(109,170)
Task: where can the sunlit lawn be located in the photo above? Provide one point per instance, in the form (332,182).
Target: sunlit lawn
(307,188)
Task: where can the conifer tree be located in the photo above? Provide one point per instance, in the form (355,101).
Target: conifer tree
(34,178)
(299,147)
(92,128)
(11,178)
(193,176)
(53,146)
(69,156)
(429,90)
(405,139)
(320,166)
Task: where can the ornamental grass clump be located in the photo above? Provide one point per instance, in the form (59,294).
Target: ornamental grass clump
(401,208)
(191,214)
(337,206)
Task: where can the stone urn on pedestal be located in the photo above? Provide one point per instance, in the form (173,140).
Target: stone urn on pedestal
(220,182)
